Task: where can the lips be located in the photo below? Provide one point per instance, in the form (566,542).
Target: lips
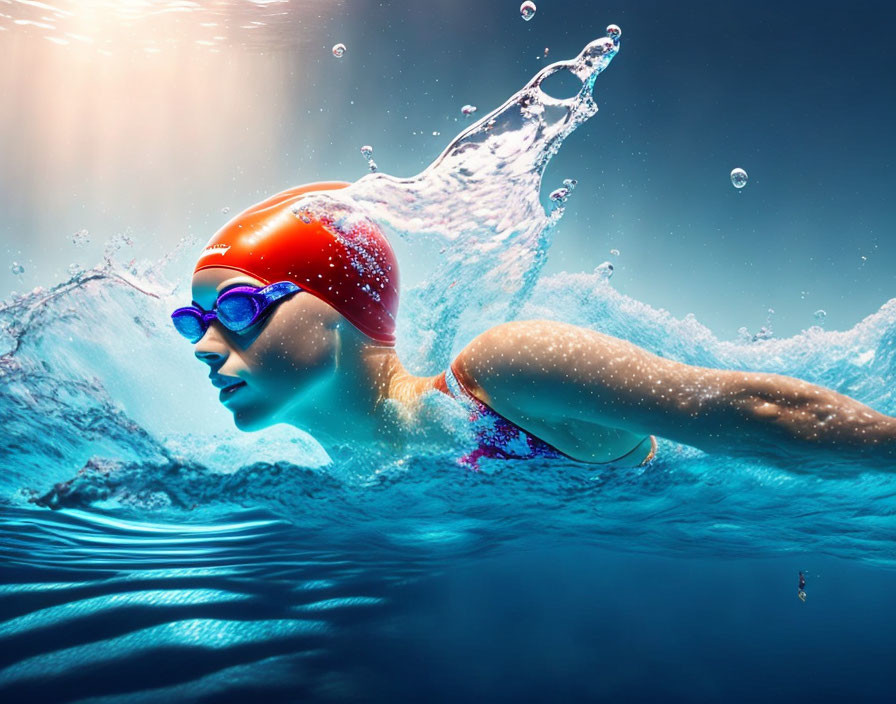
(228,391)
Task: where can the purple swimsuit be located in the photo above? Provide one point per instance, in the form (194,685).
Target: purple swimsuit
(499,438)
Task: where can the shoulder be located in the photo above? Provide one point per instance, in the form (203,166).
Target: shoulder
(514,360)
(552,370)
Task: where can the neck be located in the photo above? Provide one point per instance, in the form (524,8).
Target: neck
(371,397)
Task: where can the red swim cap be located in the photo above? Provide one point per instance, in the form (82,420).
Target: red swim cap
(330,250)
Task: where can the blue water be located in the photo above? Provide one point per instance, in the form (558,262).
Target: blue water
(149,551)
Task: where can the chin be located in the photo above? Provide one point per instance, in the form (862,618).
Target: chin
(249,420)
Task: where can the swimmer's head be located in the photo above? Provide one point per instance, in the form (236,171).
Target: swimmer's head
(284,362)
(327,248)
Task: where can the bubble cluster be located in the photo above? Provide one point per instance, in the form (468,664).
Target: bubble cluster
(80,238)
(17,269)
(738,178)
(527,10)
(338,50)
(367,153)
(468,109)
(302,213)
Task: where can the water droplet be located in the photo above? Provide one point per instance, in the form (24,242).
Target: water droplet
(367,151)
(338,50)
(614,32)
(17,269)
(372,165)
(570,183)
(527,10)
(302,214)
(80,238)
(614,252)
(559,195)
(604,271)
(765,333)
(468,109)
(225,209)
(738,178)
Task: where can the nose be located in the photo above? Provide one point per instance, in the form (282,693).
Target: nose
(212,347)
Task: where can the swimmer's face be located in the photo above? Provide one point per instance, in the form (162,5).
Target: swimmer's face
(275,364)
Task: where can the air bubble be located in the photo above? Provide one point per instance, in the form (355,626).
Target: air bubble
(820,315)
(338,50)
(17,269)
(614,252)
(225,210)
(559,195)
(302,214)
(367,151)
(468,109)
(614,32)
(570,183)
(527,10)
(372,166)
(738,178)
(604,271)
(80,238)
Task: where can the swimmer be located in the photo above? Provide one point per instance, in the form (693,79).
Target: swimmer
(294,314)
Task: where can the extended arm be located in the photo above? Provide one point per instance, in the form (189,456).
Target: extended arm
(566,372)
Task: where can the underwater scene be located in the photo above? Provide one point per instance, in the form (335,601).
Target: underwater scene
(710,182)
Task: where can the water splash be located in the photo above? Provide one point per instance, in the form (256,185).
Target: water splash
(479,201)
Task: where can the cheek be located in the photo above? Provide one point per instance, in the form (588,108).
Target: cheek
(294,350)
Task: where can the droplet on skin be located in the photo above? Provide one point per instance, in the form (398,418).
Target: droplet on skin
(527,10)
(738,178)
(338,50)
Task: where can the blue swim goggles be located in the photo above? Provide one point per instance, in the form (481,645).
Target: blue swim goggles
(237,309)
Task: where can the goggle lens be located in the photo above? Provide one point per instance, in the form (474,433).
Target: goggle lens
(188,323)
(237,310)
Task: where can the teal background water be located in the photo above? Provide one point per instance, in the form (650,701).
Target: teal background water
(187,561)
